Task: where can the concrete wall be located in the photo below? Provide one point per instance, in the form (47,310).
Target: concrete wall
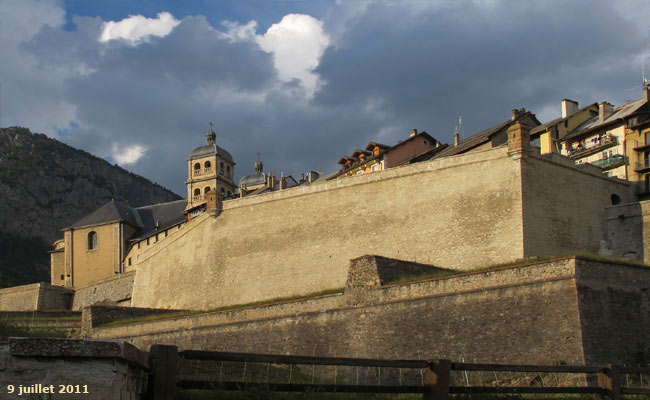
(37,296)
(564,206)
(114,290)
(299,241)
(102,369)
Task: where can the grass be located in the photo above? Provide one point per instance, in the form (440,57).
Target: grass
(157,317)
(442,273)
(7,330)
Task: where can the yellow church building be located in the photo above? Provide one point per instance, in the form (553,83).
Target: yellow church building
(109,241)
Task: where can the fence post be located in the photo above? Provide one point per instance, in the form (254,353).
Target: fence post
(437,378)
(163,362)
(610,381)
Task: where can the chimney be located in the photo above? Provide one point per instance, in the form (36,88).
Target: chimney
(456,139)
(569,107)
(605,109)
(514,115)
(270,180)
(646,92)
(414,132)
(518,140)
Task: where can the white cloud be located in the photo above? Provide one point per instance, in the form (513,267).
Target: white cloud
(240,33)
(137,28)
(128,155)
(297,43)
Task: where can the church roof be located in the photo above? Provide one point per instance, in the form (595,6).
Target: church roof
(208,150)
(112,211)
(256,178)
(165,214)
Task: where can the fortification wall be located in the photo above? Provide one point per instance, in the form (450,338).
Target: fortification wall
(75,369)
(37,296)
(115,290)
(299,241)
(628,229)
(564,205)
(571,310)
(614,311)
(481,316)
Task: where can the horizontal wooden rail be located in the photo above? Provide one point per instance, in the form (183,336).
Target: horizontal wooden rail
(435,376)
(301,360)
(524,368)
(299,387)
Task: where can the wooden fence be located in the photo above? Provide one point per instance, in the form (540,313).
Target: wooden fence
(169,372)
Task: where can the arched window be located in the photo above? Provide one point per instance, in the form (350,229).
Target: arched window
(221,165)
(197,192)
(228,169)
(197,166)
(206,190)
(207,164)
(223,192)
(92,240)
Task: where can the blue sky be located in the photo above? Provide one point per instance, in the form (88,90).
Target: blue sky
(302,82)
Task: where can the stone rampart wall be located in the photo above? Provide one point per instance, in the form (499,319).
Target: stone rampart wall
(628,229)
(93,370)
(299,241)
(545,312)
(37,296)
(116,290)
(564,206)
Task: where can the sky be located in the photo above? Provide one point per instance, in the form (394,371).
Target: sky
(302,82)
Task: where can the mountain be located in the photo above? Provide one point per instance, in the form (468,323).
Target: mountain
(46,185)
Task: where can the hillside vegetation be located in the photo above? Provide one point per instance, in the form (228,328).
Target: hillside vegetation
(46,185)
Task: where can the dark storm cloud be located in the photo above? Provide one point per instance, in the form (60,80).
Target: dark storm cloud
(431,65)
(391,66)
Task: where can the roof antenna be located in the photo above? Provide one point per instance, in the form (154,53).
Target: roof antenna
(458,130)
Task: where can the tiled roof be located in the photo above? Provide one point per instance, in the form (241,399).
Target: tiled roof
(168,215)
(544,127)
(110,212)
(595,123)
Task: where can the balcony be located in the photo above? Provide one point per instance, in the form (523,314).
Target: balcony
(590,148)
(198,198)
(643,166)
(611,162)
(204,171)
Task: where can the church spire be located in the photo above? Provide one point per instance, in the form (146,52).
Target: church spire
(211,136)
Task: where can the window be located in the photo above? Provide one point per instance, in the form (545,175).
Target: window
(197,192)
(147,241)
(92,240)
(165,232)
(206,190)
(223,192)
(425,142)
(197,167)
(61,277)
(138,245)
(228,169)
(129,261)
(221,165)
(207,164)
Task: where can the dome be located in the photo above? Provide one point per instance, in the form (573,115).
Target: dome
(211,148)
(258,178)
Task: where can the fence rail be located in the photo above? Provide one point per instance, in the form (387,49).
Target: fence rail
(434,380)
